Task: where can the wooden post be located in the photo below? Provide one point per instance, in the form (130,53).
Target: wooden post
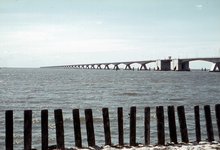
(172,124)
(132,126)
(120,126)
(182,122)
(208,119)
(9,129)
(197,124)
(160,125)
(89,127)
(27,129)
(59,128)
(106,126)
(44,129)
(77,128)
(147,125)
(217,113)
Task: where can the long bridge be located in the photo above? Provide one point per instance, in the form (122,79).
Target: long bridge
(161,64)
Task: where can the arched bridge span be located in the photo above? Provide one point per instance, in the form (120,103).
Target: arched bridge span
(115,64)
(163,64)
(183,64)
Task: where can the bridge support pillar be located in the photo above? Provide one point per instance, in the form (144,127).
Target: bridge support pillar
(128,67)
(143,66)
(163,65)
(116,67)
(214,67)
(99,67)
(106,67)
(179,65)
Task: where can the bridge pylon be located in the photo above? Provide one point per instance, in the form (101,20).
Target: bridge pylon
(180,65)
(128,67)
(163,65)
(214,67)
(143,66)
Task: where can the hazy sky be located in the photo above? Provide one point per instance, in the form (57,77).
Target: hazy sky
(36,33)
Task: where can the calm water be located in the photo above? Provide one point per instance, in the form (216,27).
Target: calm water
(67,89)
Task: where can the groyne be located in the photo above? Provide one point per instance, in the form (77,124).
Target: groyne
(106,124)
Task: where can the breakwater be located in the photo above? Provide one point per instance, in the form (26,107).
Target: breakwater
(106,124)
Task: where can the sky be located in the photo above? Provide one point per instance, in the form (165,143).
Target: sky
(36,33)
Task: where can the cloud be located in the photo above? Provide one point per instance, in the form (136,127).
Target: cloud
(99,22)
(199,6)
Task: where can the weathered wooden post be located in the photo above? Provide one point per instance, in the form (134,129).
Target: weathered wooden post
(9,129)
(182,122)
(132,126)
(27,129)
(89,127)
(44,129)
(59,128)
(77,128)
(106,126)
(197,123)
(208,119)
(217,113)
(160,125)
(120,126)
(172,124)
(147,125)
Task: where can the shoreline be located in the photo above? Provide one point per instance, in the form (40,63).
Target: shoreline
(193,145)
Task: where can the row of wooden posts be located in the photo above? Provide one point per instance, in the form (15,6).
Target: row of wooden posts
(90,129)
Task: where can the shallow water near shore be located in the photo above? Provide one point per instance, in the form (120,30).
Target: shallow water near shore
(67,89)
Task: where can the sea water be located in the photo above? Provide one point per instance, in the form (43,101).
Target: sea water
(38,89)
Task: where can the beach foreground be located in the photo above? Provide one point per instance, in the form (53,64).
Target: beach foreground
(203,145)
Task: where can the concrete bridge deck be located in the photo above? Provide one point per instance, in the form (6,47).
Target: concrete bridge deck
(161,64)
(183,64)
